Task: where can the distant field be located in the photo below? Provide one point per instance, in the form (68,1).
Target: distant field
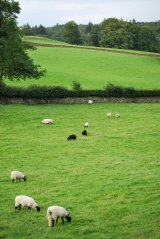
(94,69)
(43,40)
(109,181)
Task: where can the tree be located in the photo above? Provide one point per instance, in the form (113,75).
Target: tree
(115,33)
(26,30)
(15,62)
(89,27)
(42,30)
(94,36)
(71,33)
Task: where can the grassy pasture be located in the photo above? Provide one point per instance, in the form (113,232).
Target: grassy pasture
(109,181)
(94,69)
(43,40)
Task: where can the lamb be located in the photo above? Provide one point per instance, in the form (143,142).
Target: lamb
(84,133)
(25,201)
(17,176)
(117,115)
(86,125)
(72,137)
(90,102)
(55,212)
(47,121)
(109,115)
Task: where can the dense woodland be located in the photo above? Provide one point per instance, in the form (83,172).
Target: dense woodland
(111,32)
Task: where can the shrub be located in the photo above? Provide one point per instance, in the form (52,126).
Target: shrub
(46,92)
(76,86)
(129,92)
(113,91)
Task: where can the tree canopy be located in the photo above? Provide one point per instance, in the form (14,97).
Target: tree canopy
(111,32)
(15,62)
(71,33)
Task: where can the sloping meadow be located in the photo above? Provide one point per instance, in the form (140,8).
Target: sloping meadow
(93,69)
(109,181)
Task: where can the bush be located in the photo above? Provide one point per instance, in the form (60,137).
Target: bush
(76,86)
(51,92)
(113,91)
(129,92)
(35,92)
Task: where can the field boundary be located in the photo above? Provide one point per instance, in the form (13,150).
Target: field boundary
(94,49)
(77,100)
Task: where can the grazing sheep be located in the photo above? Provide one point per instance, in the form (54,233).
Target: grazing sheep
(84,133)
(17,176)
(25,201)
(55,212)
(86,125)
(109,115)
(72,137)
(47,121)
(117,115)
(90,102)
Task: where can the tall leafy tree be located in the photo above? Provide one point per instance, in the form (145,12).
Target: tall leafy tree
(71,33)
(114,33)
(15,62)
(93,39)
(127,35)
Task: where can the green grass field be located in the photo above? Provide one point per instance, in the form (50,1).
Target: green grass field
(94,69)
(43,40)
(109,181)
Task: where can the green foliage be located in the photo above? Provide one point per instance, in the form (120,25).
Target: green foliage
(76,86)
(38,92)
(112,32)
(127,35)
(46,92)
(94,36)
(113,90)
(109,182)
(15,62)
(71,33)
(56,32)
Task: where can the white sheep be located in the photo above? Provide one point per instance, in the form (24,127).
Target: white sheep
(16,175)
(86,124)
(55,212)
(90,102)
(117,115)
(47,121)
(109,115)
(25,201)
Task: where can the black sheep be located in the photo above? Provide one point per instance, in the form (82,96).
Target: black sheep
(84,133)
(72,137)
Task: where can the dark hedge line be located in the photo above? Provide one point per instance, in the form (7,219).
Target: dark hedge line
(46,92)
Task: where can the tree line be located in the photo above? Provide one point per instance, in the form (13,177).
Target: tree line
(111,33)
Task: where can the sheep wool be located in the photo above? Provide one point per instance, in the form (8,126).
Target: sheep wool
(84,133)
(55,212)
(72,137)
(86,124)
(17,176)
(109,115)
(25,201)
(117,115)
(90,102)
(47,121)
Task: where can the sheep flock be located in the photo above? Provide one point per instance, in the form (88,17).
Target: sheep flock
(53,212)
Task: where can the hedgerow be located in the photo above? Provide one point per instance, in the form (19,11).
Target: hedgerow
(51,92)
